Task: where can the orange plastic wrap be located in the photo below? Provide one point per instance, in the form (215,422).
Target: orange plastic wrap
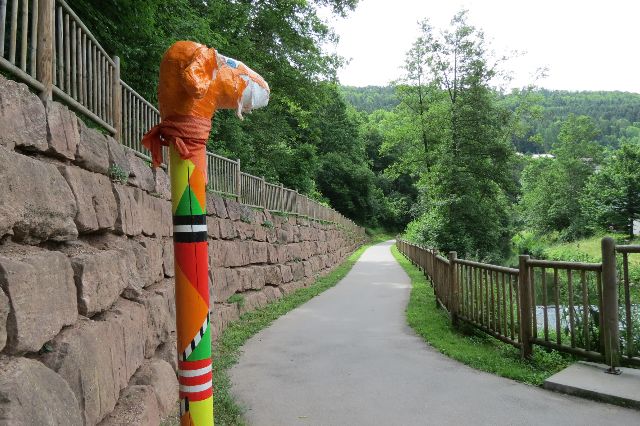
(195,81)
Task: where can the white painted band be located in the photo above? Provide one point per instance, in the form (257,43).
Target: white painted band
(194,373)
(196,388)
(189,228)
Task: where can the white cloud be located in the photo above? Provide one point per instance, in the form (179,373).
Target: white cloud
(587,45)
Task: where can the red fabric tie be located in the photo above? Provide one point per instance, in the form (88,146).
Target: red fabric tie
(188,134)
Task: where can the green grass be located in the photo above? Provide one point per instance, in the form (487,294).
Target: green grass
(586,250)
(227,350)
(468,345)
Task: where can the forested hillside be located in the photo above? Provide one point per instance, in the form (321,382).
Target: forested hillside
(616,114)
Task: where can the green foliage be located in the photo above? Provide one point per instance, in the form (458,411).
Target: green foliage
(267,224)
(370,98)
(117,174)
(552,187)
(615,114)
(236,298)
(282,40)
(454,135)
(467,345)
(611,199)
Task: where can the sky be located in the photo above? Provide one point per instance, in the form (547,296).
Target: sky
(585,44)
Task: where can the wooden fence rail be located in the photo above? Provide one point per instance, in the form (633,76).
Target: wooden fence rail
(567,306)
(44,44)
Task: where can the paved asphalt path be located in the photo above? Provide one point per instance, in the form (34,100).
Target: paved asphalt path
(347,357)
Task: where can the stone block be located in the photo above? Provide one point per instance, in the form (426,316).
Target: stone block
(100,277)
(4,313)
(37,204)
(32,394)
(141,175)
(257,278)
(22,117)
(235,253)
(97,358)
(159,303)
(273,254)
(138,406)
(258,252)
(155,214)
(234,209)
(168,351)
(259,233)
(162,183)
(63,134)
(316,263)
(227,229)
(92,152)
(96,204)
(117,156)
(272,274)
(160,376)
(42,298)
(244,231)
(297,269)
(129,221)
(308,269)
(287,275)
(153,260)
(213,227)
(216,206)
(168,258)
(271,235)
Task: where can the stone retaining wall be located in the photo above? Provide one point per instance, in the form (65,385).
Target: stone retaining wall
(87,328)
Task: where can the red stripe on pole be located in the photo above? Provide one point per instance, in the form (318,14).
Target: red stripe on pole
(198,380)
(194,365)
(197,396)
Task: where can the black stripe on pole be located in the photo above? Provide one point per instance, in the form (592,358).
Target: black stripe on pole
(190,237)
(190,220)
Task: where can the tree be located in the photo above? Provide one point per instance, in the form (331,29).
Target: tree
(552,188)
(460,146)
(612,195)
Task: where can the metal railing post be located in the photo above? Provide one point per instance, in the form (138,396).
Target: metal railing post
(610,305)
(524,305)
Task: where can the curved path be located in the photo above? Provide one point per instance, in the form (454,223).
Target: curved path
(347,357)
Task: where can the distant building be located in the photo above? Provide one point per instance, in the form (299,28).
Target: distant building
(536,155)
(543,156)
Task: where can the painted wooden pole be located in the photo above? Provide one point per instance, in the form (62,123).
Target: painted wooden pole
(189,95)
(193,323)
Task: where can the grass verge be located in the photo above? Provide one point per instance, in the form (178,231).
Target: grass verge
(227,350)
(468,345)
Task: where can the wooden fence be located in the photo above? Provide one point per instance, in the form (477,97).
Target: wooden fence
(572,307)
(44,44)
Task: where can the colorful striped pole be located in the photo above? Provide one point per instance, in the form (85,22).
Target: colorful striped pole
(193,323)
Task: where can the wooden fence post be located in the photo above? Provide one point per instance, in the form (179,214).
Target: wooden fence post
(44,54)
(263,193)
(610,305)
(453,288)
(238,182)
(281,198)
(117,100)
(524,305)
